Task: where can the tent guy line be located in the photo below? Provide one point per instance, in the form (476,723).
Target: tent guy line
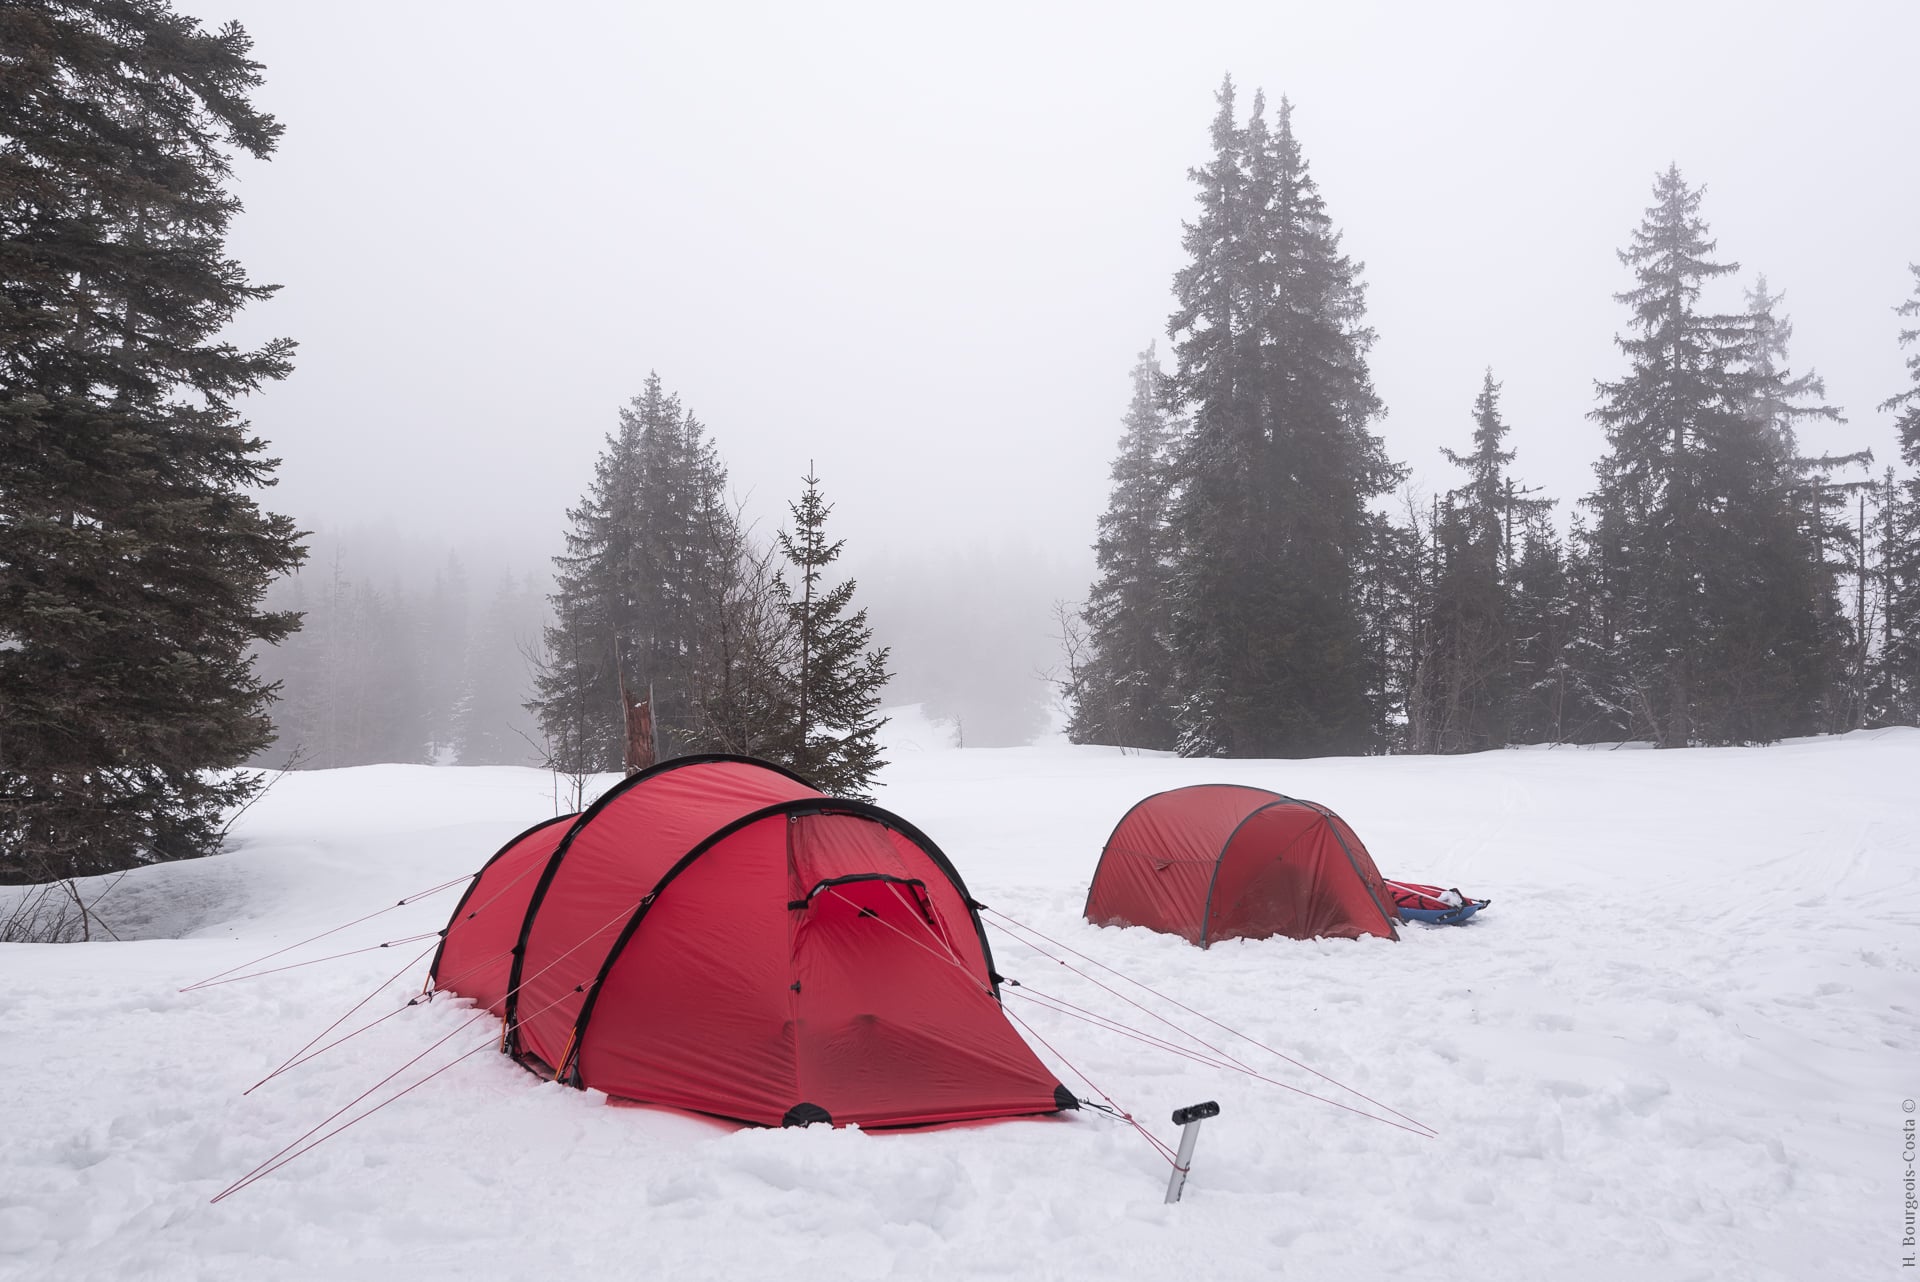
(1055,1004)
(315,961)
(1119,974)
(1225,1060)
(481,1013)
(1165,1150)
(300,1056)
(299,1148)
(415,897)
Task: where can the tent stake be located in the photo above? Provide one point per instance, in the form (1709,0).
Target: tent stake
(1188,1120)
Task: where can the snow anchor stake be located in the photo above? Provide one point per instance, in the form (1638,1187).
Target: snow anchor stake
(1188,1119)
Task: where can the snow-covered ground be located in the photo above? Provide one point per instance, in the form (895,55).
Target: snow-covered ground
(1676,1047)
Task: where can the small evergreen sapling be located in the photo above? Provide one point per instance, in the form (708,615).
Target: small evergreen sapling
(835,678)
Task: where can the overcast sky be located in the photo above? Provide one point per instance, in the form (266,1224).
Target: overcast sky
(920,246)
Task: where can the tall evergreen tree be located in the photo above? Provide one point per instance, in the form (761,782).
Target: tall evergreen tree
(1470,659)
(577,695)
(1896,685)
(631,593)
(1709,580)
(1539,694)
(742,696)
(1278,463)
(1395,620)
(133,558)
(1127,681)
(684,544)
(835,678)
(1602,709)
(1823,495)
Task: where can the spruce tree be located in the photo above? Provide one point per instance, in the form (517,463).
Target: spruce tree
(1278,463)
(683,548)
(742,697)
(133,556)
(1896,684)
(1540,693)
(1823,496)
(1125,685)
(835,678)
(633,590)
(577,682)
(1470,654)
(1219,455)
(1395,617)
(1707,570)
(1602,709)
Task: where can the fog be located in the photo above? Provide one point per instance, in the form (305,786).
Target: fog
(920,247)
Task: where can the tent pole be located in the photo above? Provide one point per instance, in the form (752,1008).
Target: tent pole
(1188,1120)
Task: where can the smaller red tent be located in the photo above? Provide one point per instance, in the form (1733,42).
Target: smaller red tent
(1224,861)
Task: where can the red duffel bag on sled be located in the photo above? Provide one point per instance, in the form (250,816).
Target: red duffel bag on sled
(1433,904)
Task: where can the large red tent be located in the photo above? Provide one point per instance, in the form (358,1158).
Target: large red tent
(714,934)
(1225,861)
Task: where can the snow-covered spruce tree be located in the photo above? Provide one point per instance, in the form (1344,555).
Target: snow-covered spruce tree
(1896,680)
(1219,455)
(1599,710)
(631,588)
(1824,489)
(133,557)
(1471,653)
(1278,463)
(1539,691)
(577,682)
(1394,617)
(687,547)
(833,678)
(742,698)
(1419,576)
(1708,572)
(1124,686)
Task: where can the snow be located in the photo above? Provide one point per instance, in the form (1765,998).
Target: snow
(1675,1047)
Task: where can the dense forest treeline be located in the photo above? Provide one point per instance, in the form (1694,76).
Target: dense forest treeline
(1730,578)
(1262,590)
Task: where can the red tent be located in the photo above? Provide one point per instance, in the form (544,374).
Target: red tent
(716,935)
(1222,861)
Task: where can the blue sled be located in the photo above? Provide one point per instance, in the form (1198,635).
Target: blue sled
(1445,916)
